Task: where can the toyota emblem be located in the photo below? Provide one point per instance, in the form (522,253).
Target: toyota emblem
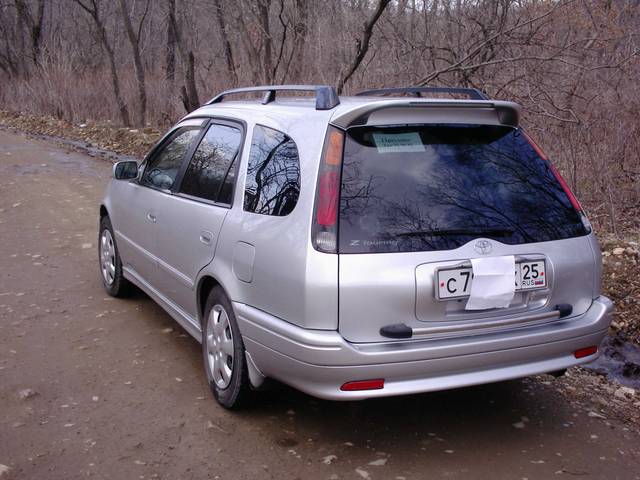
(483,246)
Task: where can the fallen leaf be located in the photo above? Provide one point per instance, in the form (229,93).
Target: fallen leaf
(27,393)
(363,473)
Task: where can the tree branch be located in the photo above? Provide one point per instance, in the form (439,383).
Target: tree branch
(363,43)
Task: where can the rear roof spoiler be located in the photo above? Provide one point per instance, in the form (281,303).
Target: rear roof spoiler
(506,113)
(472,93)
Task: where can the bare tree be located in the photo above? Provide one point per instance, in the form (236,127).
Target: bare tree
(362,43)
(92,7)
(134,40)
(34,22)
(226,44)
(171,43)
(188,91)
(301,30)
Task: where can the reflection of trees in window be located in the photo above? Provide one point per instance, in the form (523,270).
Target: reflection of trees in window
(496,188)
(210,174)
(471,182)
(163,168)
(357,196)
(273,174)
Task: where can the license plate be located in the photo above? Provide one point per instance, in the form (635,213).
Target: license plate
(456,282)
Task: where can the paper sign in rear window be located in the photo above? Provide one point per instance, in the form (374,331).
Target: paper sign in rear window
(398,142)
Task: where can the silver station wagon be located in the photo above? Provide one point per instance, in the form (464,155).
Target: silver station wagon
(393,242)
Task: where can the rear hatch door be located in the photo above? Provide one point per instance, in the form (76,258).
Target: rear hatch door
(418,202)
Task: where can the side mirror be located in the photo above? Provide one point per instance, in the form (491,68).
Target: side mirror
(125,170)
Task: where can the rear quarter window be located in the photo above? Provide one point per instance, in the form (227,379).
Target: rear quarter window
(437,187)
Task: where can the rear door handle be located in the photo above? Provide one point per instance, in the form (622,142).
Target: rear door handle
(206,236)
(152,218)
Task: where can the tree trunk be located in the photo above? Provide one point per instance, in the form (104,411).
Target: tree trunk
(113,70)
(141,119)
(299,40)
(226,44)
(115,82)
(170,73)
(250,48)
(34,26)
(263,19)
(36,32)
(189,92)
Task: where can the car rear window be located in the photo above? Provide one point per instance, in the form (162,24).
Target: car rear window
(437,187)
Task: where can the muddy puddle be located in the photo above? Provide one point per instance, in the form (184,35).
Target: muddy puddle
(619,361)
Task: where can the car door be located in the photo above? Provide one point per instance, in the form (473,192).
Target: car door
(193,216)
(136,207)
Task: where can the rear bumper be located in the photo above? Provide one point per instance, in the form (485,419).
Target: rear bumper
(318,362)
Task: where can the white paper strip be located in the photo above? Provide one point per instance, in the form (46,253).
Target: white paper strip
(494,282)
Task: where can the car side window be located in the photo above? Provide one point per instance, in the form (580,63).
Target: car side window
(211,171)
(163,167)
(273,174)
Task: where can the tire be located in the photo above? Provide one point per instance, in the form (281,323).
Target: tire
(223,352)
(109,262)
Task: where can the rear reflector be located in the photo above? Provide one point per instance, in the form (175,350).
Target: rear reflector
(376,384)
(586,352)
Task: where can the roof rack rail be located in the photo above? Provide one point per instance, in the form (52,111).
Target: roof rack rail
(472,93)
(326,96)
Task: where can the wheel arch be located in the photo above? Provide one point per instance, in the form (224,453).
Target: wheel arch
(206,283)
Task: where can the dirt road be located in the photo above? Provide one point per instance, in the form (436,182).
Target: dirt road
(96,387)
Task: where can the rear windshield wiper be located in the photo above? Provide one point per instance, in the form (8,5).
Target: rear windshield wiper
(493,232)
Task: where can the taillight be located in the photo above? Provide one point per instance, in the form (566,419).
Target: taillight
(325,228)
(328,192)
(565,187)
